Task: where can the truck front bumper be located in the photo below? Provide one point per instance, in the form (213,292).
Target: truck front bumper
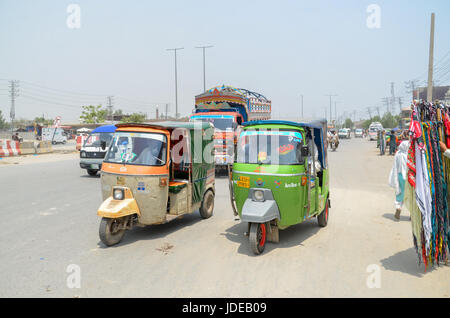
(94,164)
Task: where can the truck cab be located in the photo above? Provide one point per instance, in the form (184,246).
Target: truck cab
(94,148)
(226,126)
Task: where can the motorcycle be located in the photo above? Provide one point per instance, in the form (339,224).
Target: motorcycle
(333,143)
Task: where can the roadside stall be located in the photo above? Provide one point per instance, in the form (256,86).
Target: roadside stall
(427,196)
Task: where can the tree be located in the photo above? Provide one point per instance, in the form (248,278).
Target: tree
(43,121)
(93,114)
(389,121)
(134,118)
(348,123)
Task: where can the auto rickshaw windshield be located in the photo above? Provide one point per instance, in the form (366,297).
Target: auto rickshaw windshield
(148,149)
(270,147)
(95,139)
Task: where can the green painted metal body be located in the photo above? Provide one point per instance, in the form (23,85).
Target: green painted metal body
(285,182)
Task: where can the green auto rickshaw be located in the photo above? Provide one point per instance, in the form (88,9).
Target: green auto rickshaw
(280,177)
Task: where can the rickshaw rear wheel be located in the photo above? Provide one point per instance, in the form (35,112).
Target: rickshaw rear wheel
(257,237)
(110,231)
(322,218)
(207,207)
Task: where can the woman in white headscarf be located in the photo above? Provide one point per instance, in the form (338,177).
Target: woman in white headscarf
(398,176)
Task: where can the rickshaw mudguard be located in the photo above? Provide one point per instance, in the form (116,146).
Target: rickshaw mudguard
(259,212)
(111,208)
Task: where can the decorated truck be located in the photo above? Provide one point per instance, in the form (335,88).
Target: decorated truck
(227,108)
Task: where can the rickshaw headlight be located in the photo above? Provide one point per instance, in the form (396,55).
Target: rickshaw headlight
(258,195)
(118,194)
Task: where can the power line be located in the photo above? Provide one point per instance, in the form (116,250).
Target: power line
(60,90)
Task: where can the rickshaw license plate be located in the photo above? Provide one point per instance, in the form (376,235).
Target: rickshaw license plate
(243,182)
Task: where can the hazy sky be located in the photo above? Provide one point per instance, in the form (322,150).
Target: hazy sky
(278,48)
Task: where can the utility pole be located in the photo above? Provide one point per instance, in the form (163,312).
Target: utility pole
(13,93)
(176,84)
(302,104)
(385,101)
(392,97)
(167,108)
(430,63)
(335,110)
(110,108)
(330,95)
(411,87)
(378,111)
(368,110)
(204,76)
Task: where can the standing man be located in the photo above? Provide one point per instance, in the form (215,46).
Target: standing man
(392,143)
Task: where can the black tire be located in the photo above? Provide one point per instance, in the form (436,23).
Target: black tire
(107,234)
(257,237)
(207,207)
(322,218)
(92,172)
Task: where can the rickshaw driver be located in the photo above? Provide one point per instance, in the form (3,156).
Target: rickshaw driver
(149,151)
(315,160)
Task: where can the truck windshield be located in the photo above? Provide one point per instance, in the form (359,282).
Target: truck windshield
(270,147)
(95,139)
(148,149)
(219,122)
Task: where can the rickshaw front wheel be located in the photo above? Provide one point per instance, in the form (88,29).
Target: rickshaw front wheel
(207,207)
(110,231)
(257,237)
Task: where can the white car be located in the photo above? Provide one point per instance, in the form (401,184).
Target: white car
(358,133)
(344,133)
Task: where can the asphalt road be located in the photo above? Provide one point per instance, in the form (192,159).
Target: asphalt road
(49,221)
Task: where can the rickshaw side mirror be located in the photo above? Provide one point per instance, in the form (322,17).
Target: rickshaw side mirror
(305,151)
(103,144)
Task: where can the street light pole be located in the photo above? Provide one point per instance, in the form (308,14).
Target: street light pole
(330,95)
(204,72)
(176,84)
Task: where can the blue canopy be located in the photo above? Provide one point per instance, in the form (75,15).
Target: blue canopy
(104,129)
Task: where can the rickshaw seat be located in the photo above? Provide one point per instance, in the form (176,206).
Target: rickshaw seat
(176,186)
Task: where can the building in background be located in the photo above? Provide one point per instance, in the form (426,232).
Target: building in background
(441,93)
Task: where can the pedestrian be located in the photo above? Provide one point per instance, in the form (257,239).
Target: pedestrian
(382,139)
(392,143)
(398,176)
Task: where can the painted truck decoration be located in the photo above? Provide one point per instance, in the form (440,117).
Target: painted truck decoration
(227,108)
